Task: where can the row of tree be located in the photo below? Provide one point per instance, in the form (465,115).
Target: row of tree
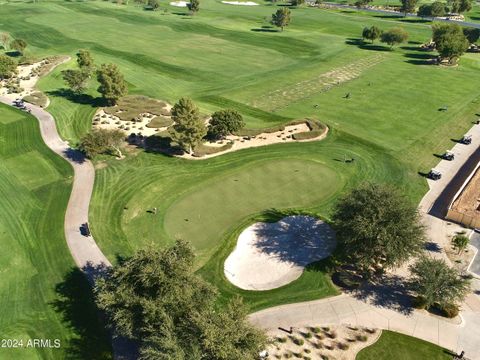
(379,229)
(435,9)
(391,37)
(112,85)
(188,131)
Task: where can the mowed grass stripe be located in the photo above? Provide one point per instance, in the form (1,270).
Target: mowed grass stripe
(37,301)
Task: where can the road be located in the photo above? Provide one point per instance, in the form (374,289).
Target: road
(397,14)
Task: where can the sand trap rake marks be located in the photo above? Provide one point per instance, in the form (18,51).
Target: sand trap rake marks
(282,97)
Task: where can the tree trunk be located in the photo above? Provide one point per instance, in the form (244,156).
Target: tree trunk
(117,149)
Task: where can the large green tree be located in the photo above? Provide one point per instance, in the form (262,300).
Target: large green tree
(112,84)
(102,141)
(377,228)
(281,18)
(435,282)
(76,79)
(472,34)
(450,41)
(188,129)
(224,122)
(85,59)
(408,6)
(156,299)
(460,6)
(19,45)
(394,36)
(8,67)
(371,33)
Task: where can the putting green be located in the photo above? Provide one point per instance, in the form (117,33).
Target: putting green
(205,212)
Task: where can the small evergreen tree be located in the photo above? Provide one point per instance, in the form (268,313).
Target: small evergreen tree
(188,129)
(112,84)
(371,33)
(281,18)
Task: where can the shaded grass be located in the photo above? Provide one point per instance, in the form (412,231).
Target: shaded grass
(392,345)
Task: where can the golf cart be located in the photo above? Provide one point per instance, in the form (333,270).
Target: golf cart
(434,175)
(466,139)
(448,155)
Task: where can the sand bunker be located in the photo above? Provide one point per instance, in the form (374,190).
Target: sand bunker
(270,255)
(245,3)
(179,3)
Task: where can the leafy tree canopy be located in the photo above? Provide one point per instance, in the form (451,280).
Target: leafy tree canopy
(371,33)
(450,41)
(19,45)
(394,36)
(472,34)
(76,79)
(224,122)
(112,84)
(281,18)
(8,67)
(194,6)
(377,228)
(156,299)
(437,283)
(85,59)
(408,6)
(102,141)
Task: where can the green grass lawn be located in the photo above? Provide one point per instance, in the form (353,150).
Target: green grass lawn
(227,56)
(392,345)
(40,293)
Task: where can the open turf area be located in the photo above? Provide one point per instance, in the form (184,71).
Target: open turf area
(39,291)
(229,57)
(392,345)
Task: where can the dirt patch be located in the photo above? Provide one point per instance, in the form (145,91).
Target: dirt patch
(340,342)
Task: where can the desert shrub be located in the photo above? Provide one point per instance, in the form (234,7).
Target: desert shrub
(362,338)
(419,302)
(282,339)
(298,341)
(449,310)
(307,335)
(316,330)
(343,346)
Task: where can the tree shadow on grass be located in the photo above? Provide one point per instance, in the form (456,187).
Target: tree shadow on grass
(75,302)
(366,46)
(387,291)
(83,99)
(420,58)
(264,29)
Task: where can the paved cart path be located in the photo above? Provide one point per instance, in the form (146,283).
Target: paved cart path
(84,250)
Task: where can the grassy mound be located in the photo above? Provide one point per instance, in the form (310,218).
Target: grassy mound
(37,98)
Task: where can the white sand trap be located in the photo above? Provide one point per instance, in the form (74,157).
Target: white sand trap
(244,3)
(179,3)
(270,255)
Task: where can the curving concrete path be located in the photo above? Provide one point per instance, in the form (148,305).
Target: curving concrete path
(85,252)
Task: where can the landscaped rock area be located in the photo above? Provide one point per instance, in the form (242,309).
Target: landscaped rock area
(135,114)
(270,255)
(339,342)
